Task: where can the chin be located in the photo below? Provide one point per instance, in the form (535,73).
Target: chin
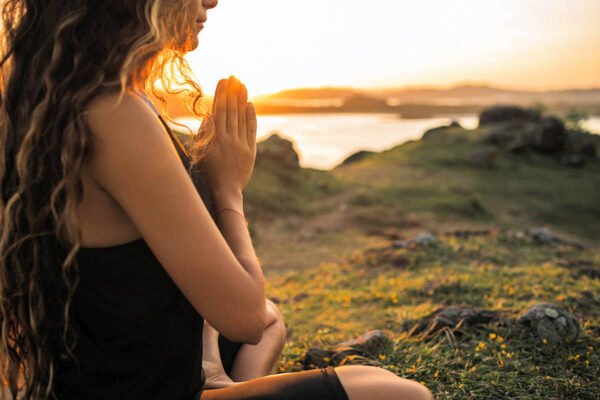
(186,47)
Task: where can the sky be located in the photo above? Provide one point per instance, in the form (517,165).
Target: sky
(273,45)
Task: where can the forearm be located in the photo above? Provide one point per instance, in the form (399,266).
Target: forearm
(234,229)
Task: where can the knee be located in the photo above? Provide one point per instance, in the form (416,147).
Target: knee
(416,390)
(359,381)
(276,321)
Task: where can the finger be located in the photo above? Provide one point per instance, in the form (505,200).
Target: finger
(251,125)
(242,100)
(232,104)
(214,104)
(221,112)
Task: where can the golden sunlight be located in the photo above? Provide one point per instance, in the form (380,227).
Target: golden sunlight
(273,45)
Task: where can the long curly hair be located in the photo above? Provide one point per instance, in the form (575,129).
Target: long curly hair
(55,57)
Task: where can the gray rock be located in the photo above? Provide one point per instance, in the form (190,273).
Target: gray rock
(542,235)
(499,135)
(552,322)
(549,135)
(425,239)
(545,135)
(279,150)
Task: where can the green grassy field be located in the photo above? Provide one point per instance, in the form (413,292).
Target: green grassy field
(499,271)
(325,240)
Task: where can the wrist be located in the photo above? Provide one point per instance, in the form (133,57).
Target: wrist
(228,198)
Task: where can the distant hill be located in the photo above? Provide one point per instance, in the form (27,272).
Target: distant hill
(408,101)
(460,94)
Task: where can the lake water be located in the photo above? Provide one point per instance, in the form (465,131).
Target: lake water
(325,140)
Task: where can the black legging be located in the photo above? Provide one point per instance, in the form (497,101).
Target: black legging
(313,384)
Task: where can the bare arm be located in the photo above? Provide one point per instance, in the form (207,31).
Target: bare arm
(236,233)
(134,160)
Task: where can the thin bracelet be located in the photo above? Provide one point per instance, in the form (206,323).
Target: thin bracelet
(237,212)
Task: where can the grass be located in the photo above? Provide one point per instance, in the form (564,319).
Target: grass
(435,176)
(500,272)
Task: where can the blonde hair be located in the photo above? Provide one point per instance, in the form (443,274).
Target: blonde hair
(56,57)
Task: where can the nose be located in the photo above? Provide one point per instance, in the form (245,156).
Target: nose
(210,3)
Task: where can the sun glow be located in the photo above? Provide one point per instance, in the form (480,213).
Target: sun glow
(273,45)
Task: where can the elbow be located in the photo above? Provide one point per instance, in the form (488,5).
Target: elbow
(255,336)
(258,325)
(254,328)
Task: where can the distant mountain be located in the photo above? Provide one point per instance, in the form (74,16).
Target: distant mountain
(456,95)
(314,93)
(410,102)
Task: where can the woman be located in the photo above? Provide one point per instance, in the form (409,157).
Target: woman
(110,263)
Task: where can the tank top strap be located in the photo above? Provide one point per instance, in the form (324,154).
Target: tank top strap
(197,177)
(181,148)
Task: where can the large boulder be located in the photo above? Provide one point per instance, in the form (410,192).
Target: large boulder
(507,113)
(546,135)
(279,150)
(551,322)
(549,135)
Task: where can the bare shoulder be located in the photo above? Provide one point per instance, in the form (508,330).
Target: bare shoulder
(123,126)
(109,112)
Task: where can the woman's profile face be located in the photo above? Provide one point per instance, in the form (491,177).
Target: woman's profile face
(195,16)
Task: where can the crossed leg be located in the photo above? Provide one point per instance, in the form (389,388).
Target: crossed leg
(254,361)
(249,361)
(259,361)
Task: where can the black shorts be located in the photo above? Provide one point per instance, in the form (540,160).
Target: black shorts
(313,384)
(228,350)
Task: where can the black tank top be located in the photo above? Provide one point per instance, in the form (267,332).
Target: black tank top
(138,337)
